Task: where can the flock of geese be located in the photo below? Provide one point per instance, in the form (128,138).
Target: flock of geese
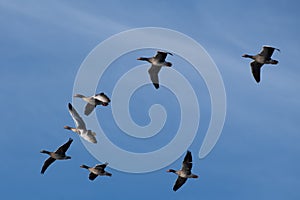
(157,62)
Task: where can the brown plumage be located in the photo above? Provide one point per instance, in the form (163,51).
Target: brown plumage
(264,57)
(59,154)
(158,61)
(185,172)
(93,101)
(98,170)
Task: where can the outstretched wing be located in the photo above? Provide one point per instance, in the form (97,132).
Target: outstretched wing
(179,182)
(89,108)
(187,163)
(101,167)
(161,55)
(102,97)
(153,72)
(62,149)
(255,68)
(76,117)
(267,52)
(92,176)
(47,162)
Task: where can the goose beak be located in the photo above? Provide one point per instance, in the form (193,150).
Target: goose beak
(67,127)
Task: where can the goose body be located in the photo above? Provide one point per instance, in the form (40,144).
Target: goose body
(185,172)
(93,101)
(80,129)
(59,154)
(157,62)
(98,170)
(264,57)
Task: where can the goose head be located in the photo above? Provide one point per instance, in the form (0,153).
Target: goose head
(194,176)
(247,56)
(143,58)
(79,95)
(171,170)
(67,127)
(44,151)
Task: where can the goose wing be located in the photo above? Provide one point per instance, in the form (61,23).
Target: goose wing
(101,167)
(153,72)
(255,68)
(47,162)
(89,108)
(179,182)
(76,117)
(267,52)
(102,97)
(92,176)
(62,149)
(187,163)
(161,55)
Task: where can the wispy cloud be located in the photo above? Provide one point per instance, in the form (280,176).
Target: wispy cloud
(63,16)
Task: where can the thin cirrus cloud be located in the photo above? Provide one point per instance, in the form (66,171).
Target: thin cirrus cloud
(64,16)
(257,153)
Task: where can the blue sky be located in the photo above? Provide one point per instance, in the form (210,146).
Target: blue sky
(43,44)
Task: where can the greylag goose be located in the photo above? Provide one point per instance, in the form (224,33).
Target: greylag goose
(59,154)
(185,172)
(98,170)
(93,101)
(158,61)
(80,129)
(264,57)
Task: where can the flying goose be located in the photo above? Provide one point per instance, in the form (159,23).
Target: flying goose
(88,135)
(264,57)
(185,172)
(98,170)
(59,154)
(93,101)
(157,62)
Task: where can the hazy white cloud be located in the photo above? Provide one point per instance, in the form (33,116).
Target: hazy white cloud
(63,16)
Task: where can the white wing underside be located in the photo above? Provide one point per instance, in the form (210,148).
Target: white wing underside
(153,72)
(77,119)
(100,98)
(88,135)
(89,108)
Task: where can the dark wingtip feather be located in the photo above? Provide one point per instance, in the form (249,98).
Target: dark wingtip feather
(257,79)
(108,174)
(70,106)
(70,142)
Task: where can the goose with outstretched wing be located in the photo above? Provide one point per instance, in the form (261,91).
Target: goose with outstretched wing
(185,172)
(264,57)
(80,129)
(98,170)
(59,154)
(157,62)
(93,101)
